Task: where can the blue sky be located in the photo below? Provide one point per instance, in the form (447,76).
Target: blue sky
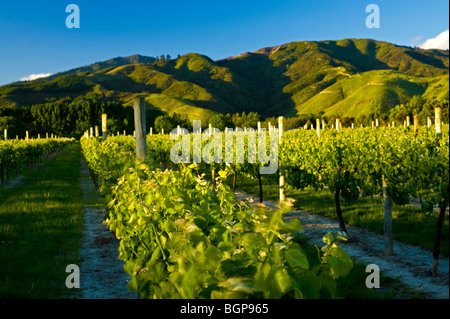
(35,40)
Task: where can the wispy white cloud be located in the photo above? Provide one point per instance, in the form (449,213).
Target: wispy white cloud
(439,42)
(416,39)
(32,77)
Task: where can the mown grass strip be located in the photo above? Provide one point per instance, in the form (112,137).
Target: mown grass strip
(41,228)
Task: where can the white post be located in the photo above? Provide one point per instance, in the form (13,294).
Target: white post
(337,125)
(6,134)
(408,121)
(280,139)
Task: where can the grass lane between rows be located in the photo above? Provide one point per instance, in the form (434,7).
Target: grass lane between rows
(41,228)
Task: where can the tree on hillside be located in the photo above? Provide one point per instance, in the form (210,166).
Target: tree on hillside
(182,120)
(13,125)
(379,109)
(427,110)
(164,122)
(244,120)
(220,121)
(416,103)
(400,112)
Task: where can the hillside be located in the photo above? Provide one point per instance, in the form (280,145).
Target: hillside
(346,78)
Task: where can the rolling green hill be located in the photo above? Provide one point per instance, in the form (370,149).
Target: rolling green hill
(349,77)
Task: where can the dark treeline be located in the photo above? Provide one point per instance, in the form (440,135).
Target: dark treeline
(67,117)
(70,118)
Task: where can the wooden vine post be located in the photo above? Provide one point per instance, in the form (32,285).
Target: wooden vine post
(140,127)
(6,134)
(442,205)
(387,223)
(416,124)
(280,139)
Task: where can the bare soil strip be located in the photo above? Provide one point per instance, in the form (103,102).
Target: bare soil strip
(101,274)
